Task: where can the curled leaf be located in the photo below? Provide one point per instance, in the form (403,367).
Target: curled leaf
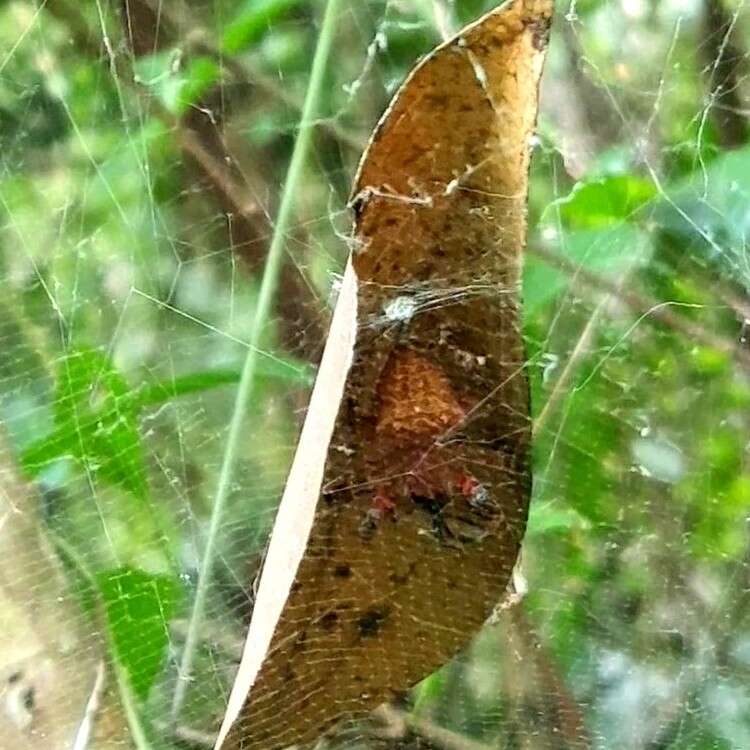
(396,538)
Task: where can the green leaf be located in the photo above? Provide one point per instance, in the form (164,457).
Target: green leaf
(552,517)
(251,22)
(201,74)
(96,414)
(605,202)
(283,370)
(429,690)
(139,607)
(160,72)
(609,252)
(178,87)
(708,211)
(96,423)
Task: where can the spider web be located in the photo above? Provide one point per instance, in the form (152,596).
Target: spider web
(145,156)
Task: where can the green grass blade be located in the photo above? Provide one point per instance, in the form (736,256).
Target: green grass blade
(268,288)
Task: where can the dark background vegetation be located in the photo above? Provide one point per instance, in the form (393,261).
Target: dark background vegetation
(144,146)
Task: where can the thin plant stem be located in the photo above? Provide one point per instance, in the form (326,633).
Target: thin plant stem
(268,287)
(128,701)
(561,386)
(130,707)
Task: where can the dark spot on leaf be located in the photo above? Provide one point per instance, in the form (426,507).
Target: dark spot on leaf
(370,622)
(329,620)
(28,698)
(439,101)
(342,571)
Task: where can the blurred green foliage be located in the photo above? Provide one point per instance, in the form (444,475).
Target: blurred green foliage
(139,607)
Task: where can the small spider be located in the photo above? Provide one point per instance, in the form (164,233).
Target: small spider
(382,506)
(472,489)
(417,407)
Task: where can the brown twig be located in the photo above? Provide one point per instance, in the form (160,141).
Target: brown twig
(561,384)
(243,204)
(400,724)
(245,72)
(199,136)
(722,62)
(200,140)
(566,716)
(217,173)
(642,305)
(595,106)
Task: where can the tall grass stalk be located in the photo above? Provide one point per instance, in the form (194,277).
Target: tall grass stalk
(268,288)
